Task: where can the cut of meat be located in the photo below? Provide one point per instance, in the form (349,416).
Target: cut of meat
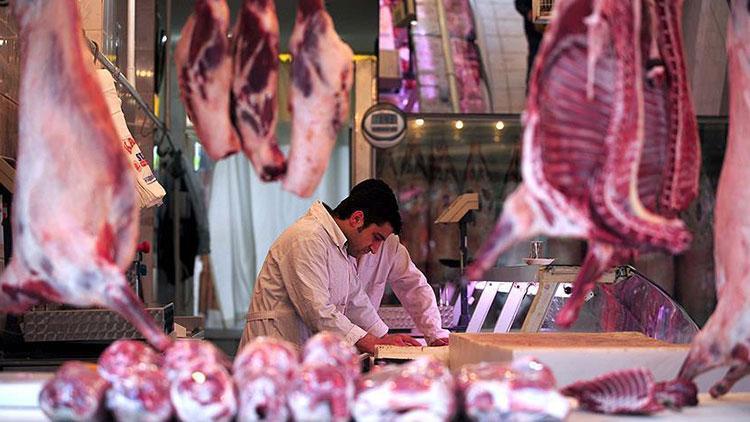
(265,353)
(327,348)
(263,372)
(206,394)
(263,396)
(125,356)
(76,393)
(204,70)
(421,390)
(322,74)
(256,74)
(142,395)
(192,355)
(631,391)
(522,389)
(610,148)
(725,339)
(322,393)
(74,223)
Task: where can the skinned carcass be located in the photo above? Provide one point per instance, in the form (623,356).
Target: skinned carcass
(204,69)
(725,339)
(74,221)
(610,148)
(256,75)
(322,74)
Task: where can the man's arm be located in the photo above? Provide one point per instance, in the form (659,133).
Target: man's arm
(304,271)
(416,296)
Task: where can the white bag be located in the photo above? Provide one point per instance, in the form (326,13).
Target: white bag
(150,192)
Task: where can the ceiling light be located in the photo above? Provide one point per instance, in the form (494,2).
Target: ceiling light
(459,124)
(419,122)
(499,125)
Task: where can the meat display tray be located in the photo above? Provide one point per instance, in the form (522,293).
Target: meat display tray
(396,317)
(87,324)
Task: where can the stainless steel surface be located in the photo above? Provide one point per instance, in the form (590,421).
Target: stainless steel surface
(486,300)
(511,307)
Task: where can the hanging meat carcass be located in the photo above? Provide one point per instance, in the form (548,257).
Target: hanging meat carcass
(610,149)
(725,339)
(256,75)
(204,71)
(322,74)
(74,221)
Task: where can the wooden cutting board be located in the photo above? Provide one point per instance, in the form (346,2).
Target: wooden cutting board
(411,352)
(571,356)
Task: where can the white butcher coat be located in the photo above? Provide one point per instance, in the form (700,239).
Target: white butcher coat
(307,283)
(393,265)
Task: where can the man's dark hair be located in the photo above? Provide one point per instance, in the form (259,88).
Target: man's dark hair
(377,202)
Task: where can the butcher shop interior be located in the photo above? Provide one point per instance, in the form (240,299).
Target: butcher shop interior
(374,210)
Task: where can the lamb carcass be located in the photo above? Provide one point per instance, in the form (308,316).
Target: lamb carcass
(610,148)
(256,75)
(75,221)
(725,339)
(204,69)
(322,74)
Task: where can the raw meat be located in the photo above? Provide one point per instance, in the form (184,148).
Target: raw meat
(74,222)
(631,391)
(413,197)
(263,396)
(206,394)
(125,356)
(322,74)
(141,395)
(522,390)
(76,393)
(204,70)
(265,353)
(725,339)
(192,355)
(322,393)
(421,390)
(263,372)
(610,148)
(330,349)
(256,74)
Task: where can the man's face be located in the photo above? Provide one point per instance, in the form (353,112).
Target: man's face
(363,240)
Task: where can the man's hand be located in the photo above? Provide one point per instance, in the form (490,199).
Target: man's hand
(367,343)
(439,342)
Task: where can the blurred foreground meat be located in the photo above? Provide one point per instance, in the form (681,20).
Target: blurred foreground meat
(204,69)
(75,221)
(322,73)
(631,391)
(321,393)
(326,348)
(522,390)
(421,390)
(124,356)
(76,393)
(264,370)
(256,75)
(610,148)
(725,339)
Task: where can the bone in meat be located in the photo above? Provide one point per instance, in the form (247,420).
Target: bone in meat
(204,70)
(608,84)
(725,339)
(74,221)
(322,72)
(256,74)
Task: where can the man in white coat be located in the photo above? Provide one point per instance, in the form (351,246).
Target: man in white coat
(327,272)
